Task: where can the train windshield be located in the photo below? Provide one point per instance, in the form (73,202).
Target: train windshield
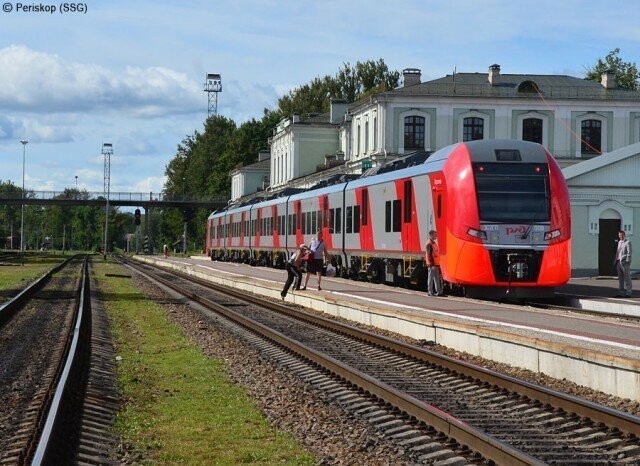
(512,192)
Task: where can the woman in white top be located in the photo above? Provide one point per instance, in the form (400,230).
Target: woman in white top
(319,250)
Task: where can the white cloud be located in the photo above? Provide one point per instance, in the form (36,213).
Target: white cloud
(151,184)
(37,81)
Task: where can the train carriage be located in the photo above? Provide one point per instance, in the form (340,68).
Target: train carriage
(500,207)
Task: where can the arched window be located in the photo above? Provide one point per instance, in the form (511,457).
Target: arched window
(591,135)
(532,130)
(472,129)
(414,133)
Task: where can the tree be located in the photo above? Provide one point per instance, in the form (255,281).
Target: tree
(10,216)
(350,83)
(626,73)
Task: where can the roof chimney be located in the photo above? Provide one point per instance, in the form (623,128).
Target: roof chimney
(412,76)
(494,74)
(608,80)
(338,108)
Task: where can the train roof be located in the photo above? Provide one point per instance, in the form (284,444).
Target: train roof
(484,150)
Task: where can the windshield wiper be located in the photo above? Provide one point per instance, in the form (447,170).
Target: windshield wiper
(525,235)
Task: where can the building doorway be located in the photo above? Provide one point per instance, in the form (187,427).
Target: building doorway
(607,244)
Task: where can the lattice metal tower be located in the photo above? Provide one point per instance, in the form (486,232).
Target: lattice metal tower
(107,151)
(212,86)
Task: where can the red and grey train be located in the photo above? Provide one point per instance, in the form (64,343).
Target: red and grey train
(500,208)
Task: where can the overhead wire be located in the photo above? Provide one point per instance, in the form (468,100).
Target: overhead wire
(571,131)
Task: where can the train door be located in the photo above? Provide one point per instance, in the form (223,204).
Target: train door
(607,244)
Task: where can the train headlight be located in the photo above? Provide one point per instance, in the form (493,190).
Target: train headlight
(549,235)
(477,233)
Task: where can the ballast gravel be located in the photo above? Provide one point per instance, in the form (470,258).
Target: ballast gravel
(331,434)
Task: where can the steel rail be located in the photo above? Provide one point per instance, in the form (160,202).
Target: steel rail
(57,405)
(489,447)
(625,422)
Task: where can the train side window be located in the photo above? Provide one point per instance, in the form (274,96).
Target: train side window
(365,207)
(356,219)
(439,205)
(338,227)
(397,212)
(408,201)
(387,216)
(314,221)
(332,220)
(349,220)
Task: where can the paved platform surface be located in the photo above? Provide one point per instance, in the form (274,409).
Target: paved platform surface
(596,333)
(598,294)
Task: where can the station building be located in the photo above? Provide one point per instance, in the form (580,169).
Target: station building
(593,130)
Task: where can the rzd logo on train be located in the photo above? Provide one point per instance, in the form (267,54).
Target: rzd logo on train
(516,230)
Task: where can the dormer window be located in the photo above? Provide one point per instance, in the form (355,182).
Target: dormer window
(527,87)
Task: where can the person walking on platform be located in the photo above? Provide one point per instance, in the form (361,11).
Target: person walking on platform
(623,266)
(293,270)
(319,251)
(432,259)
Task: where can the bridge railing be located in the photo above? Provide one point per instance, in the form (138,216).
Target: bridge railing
(115,196)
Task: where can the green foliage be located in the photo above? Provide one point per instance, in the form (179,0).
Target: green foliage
(202,165)
(627,75)
(350,83)
(67,227)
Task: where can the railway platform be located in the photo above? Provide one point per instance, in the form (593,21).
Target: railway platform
(595,350)
(597,294)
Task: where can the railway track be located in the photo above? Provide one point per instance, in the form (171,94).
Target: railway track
(48,363)
(421,398)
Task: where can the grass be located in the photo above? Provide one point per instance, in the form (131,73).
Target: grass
(15,277)
(180,407)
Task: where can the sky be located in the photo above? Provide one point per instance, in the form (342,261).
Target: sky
(131,73)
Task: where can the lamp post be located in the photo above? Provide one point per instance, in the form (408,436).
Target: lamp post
(76,183)
(184,234)
(24,148)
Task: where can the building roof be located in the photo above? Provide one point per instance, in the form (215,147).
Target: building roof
(620,168)
(262,165)
(316,118)
(516,86)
